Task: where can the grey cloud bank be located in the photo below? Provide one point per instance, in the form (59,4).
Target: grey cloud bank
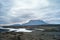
(22,11)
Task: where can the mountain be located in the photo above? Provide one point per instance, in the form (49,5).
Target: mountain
(16,25)
(32,22)
(35,22)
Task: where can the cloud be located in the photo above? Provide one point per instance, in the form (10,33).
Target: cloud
(22,11)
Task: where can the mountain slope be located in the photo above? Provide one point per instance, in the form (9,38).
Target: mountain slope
(16,25)
(32,22)
(35,22)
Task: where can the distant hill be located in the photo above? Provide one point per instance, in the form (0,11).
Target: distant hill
(35,22)
(32,22)
(15,25)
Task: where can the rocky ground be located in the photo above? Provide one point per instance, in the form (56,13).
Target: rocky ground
(37,35)
(51,33)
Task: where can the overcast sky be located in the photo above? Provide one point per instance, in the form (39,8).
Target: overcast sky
(22,11)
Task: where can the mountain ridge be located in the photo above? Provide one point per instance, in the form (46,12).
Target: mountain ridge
(32,22)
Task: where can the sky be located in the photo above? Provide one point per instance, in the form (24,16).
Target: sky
(22,11)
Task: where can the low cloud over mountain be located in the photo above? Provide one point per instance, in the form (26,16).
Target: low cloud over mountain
(22,11)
